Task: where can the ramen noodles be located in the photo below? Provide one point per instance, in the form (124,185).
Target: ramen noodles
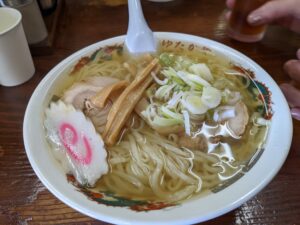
(165,127)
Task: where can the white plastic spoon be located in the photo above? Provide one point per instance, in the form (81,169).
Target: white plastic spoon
(139,38)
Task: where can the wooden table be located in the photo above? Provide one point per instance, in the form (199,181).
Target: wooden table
(24,200)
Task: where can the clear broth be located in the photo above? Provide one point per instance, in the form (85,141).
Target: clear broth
(225,167)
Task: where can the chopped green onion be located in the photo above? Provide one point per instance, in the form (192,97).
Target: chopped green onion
(183,63)
(161,121)
(175,99)
(194,104)
(192,80)
(169,114)
(158,81)
(187,124)
(172,74)
(211,97)
(164,92)
(261,122)
(202,70)
(167,59)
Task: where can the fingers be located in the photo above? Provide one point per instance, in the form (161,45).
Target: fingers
(292,68)
(227,15)
(292,94)
(272,11)
(295,113)
(293,97)
(230,3)
(298,53)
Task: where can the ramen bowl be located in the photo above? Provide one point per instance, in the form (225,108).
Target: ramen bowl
(117,210)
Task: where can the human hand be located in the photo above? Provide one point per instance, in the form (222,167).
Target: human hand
(287,14)
(292,94)
(282,12)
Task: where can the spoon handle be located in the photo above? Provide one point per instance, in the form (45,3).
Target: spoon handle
(136,13)
(139,38)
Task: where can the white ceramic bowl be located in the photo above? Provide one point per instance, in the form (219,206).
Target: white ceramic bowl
(201,209)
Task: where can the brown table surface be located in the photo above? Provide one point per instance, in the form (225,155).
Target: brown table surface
(23,198)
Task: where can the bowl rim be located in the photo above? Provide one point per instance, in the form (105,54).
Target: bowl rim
(17,16)
(243,191)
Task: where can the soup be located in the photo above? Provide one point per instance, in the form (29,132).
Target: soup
(160,128)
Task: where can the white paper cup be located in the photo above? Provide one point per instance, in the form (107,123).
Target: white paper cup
(16,65)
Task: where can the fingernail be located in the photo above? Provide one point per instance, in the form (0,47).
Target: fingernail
(298,53)
(295,113)
(283,86)
(254,19)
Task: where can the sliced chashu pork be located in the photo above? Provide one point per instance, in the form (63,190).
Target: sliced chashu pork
(79,94)
(198,142)
(238,123)
(80,91)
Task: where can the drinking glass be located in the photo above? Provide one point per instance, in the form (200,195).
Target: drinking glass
(238,27)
